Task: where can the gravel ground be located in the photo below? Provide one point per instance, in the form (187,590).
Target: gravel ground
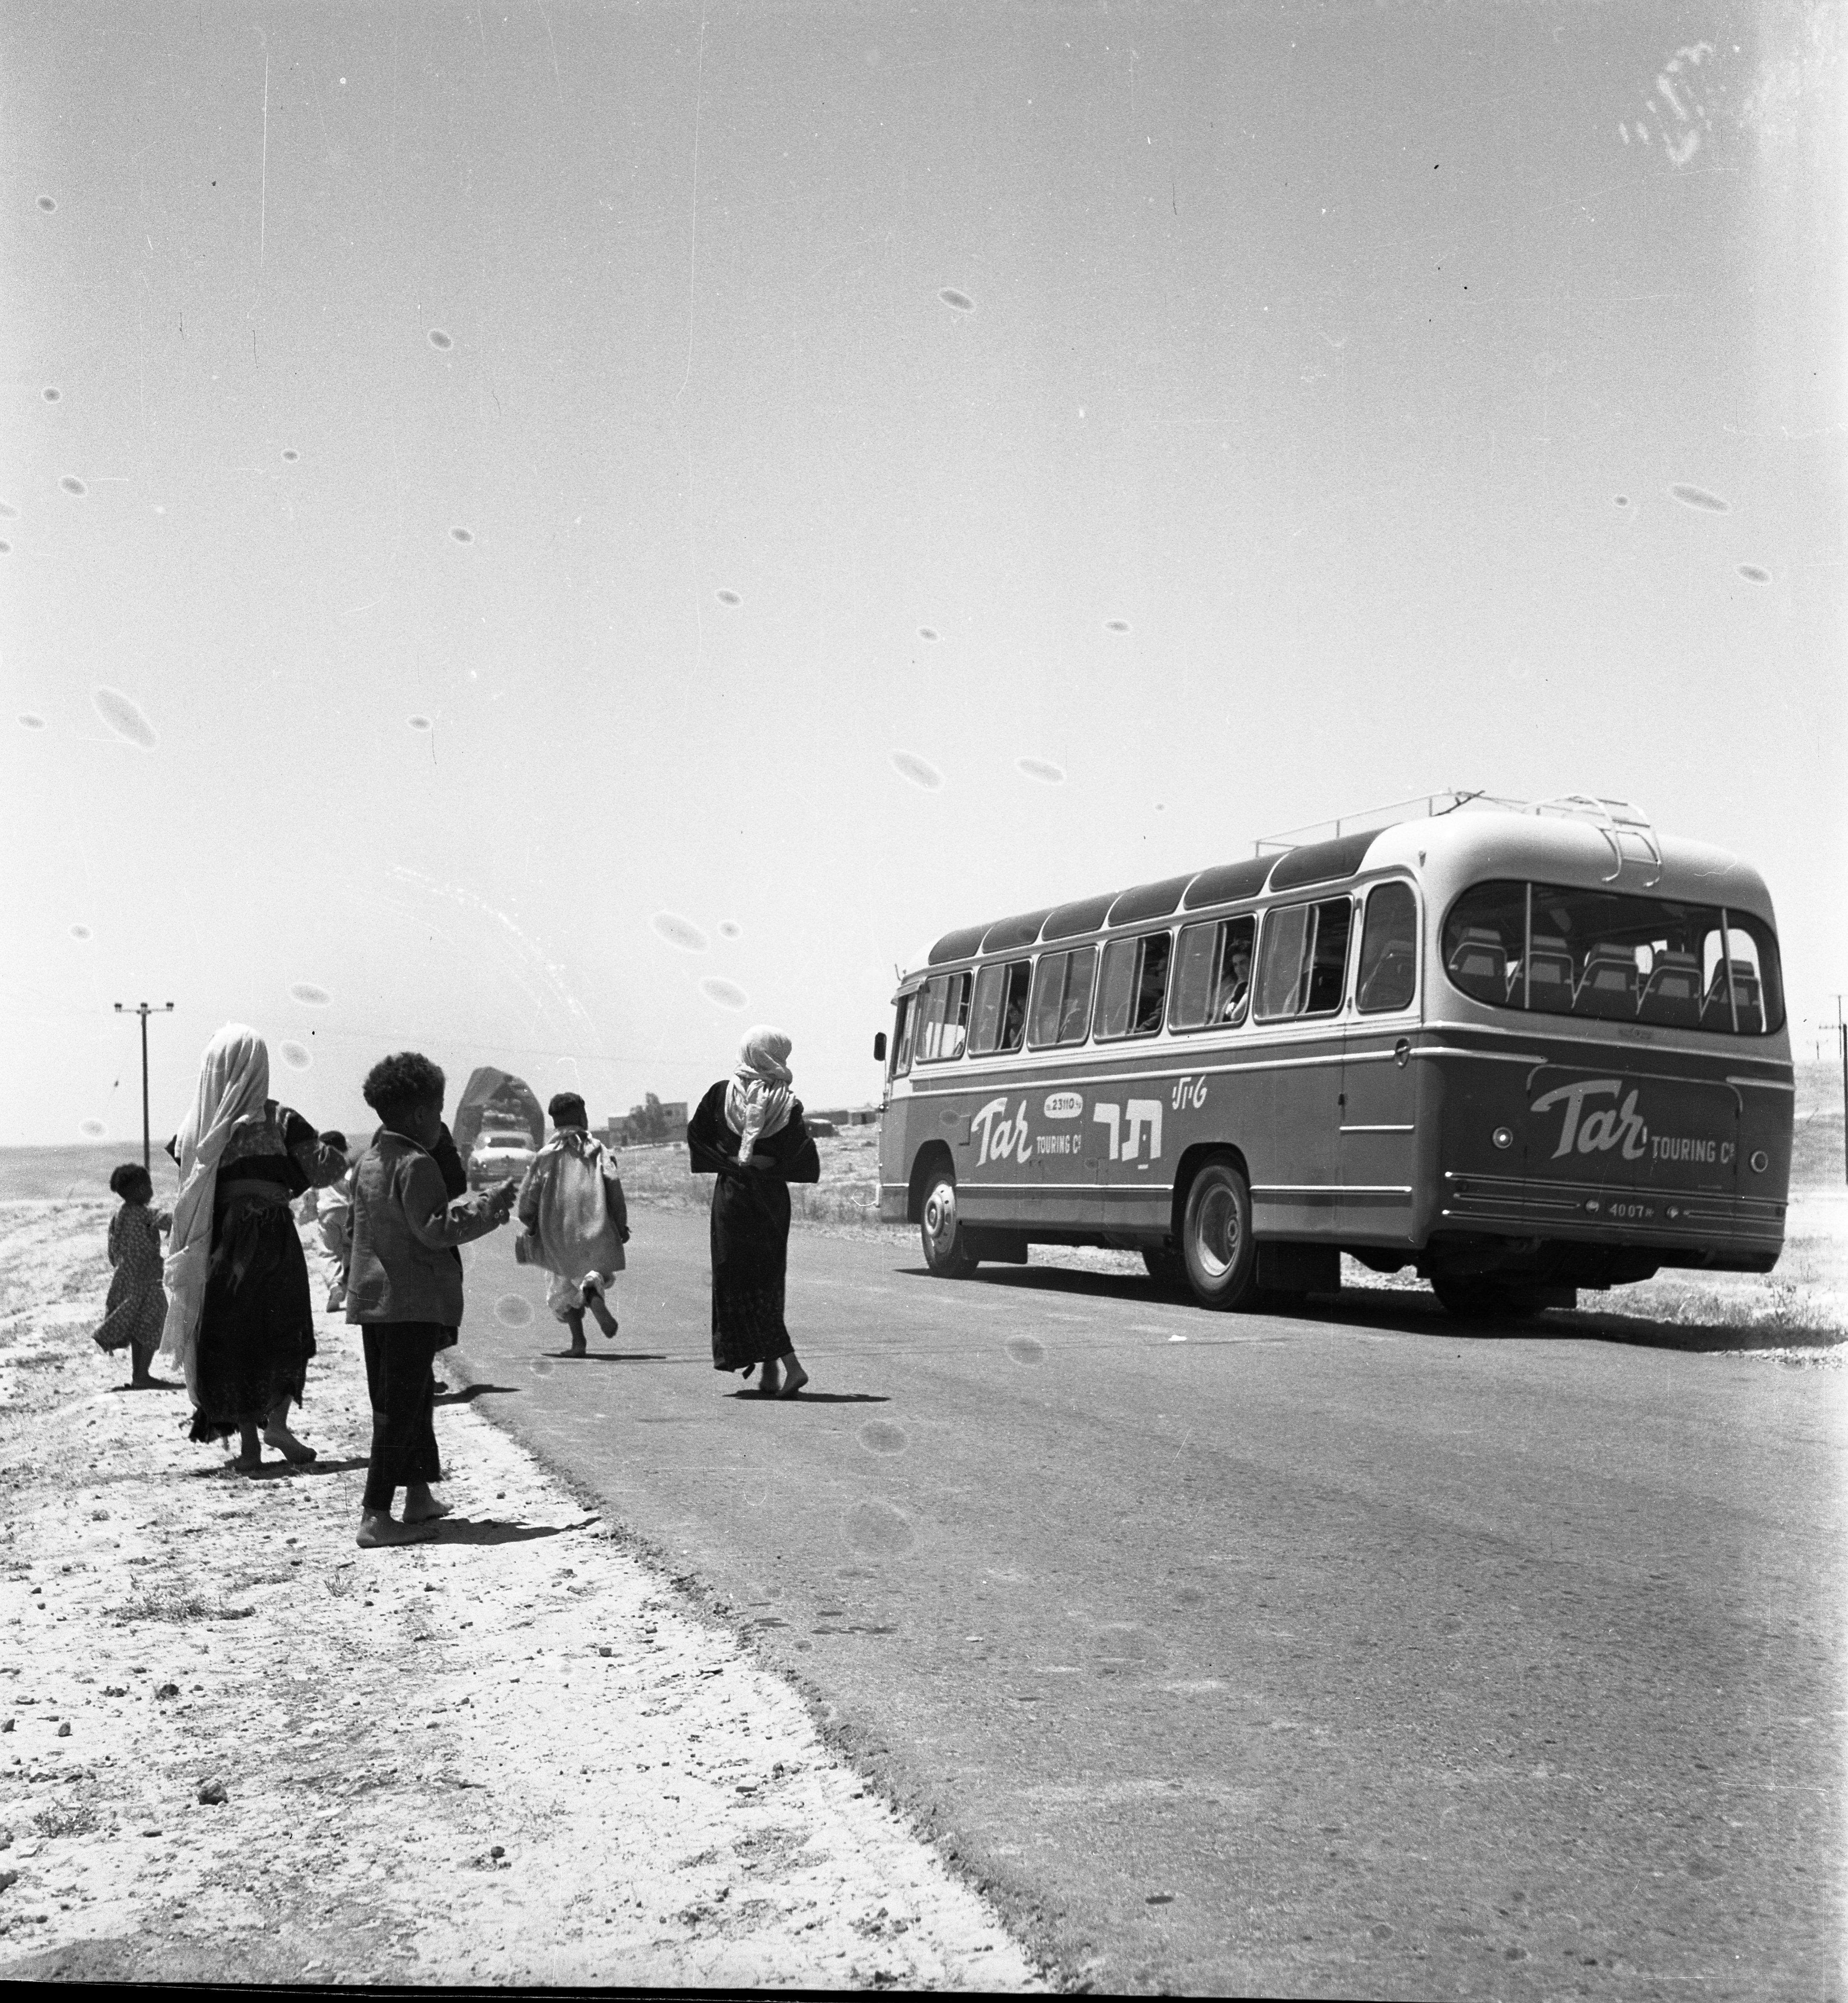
(517,1755)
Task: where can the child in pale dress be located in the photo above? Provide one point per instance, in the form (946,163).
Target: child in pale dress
(137,1308)
(577,1220)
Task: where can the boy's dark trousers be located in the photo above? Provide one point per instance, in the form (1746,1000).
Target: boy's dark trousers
(398,1357)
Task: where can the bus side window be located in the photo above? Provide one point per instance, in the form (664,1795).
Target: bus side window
(1193,996)
(943,1017)
(901,1036)
(1061,1006)
(1304,970)
(999,1016)
(1389,976)
(1132,986)
(1232,984)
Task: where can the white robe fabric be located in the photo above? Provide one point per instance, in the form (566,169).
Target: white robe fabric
(567,1202)
(234,1084)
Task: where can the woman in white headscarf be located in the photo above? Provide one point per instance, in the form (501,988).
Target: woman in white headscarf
(748,1132)
(240,1322)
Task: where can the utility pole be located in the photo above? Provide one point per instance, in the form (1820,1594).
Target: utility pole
(144,1010)
(1841,1030)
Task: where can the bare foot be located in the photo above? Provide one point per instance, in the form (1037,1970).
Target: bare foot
(378,1532)
(423,1508)
(248,1464)
(296,1452)
(767,1384)
(797,1377)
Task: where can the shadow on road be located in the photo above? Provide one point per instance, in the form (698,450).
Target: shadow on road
(470,1392)
(813,1398)
(610,1356)
(1406,1312)
(466,1530)
(276,1470)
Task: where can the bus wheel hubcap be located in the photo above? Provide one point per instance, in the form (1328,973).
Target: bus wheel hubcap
(1216,1233)
(940,1214)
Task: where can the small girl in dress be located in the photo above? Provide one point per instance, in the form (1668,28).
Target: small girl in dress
(137,1301)
(572,1205)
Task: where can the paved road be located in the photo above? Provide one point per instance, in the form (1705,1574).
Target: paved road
(1354,1655)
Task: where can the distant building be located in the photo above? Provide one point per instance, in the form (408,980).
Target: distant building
(654,1122)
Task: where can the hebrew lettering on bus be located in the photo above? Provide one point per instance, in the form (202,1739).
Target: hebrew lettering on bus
(1127,1126)
(1001,1137)
(1188,1091)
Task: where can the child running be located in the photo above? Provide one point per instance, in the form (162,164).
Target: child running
(571,1203)
(137,1301)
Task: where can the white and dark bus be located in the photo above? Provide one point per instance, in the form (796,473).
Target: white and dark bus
(1522,1050)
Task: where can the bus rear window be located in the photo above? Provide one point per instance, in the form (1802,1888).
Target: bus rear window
(942,1012)
(1555,951)
(1061,1010)
(1302,968)
(1000,1018)
(1212,979)
(1132,986)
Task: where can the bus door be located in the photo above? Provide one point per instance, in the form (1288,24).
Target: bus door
(1379,1083)
(1057,1137)
(1127,1156)
(1302,975)
(995,1152)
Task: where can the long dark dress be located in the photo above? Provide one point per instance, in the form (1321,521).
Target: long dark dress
(257,1327)
(750,1230)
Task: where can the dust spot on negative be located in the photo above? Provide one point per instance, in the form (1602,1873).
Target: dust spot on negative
(1116,625)
(511,1311)
(882,1436)
(929,633)
(80,932)
(542,1366)
(297,1056)
(1190,1595)
(439,339)
(919,771)
(72,484)
(6,549)
(729,928)
(961,301)
(1041,768)
(309,995)
(123,717)
(291,455)
(463,535)
(418,723)
(47,204)
(726,994)
(1698,497)
(51,396)
(729,598)
(1620,501)
(31,722)
(679,932)
(9,510)
(1026,1349)
(1753,573)
(93,1130)
(876,1529)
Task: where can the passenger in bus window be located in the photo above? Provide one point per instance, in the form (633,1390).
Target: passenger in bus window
(1013,1022)
(1234,974)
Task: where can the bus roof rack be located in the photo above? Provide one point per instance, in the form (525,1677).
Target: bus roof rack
(1620,822)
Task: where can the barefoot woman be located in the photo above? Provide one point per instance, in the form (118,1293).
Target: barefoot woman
(239,1320)
(749,1133)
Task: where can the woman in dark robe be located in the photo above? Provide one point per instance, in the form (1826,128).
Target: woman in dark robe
(240,1318)
(748,1131)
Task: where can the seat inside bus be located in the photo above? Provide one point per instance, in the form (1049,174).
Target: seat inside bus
(1479,963)
(1392,980)
(1547,977)
(1607,986)
(1672,993)
(1745,996)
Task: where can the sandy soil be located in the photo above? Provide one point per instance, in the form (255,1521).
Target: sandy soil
(516,1755)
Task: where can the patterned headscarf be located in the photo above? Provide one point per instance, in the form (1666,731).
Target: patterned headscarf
(758,1098)
(234,1085)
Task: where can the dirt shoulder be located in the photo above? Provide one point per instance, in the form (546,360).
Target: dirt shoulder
(515,1755)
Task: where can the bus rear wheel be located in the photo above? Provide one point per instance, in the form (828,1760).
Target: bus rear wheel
(946,1248)
(1218,1253)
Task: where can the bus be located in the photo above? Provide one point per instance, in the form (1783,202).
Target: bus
(1522,1049)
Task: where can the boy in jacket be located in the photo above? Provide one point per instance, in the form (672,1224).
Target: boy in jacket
(404,1288)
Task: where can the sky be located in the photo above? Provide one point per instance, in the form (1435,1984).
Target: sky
(550,533)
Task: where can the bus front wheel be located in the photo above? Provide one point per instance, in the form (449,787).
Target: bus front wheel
(1217,1249)
(945,1237)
